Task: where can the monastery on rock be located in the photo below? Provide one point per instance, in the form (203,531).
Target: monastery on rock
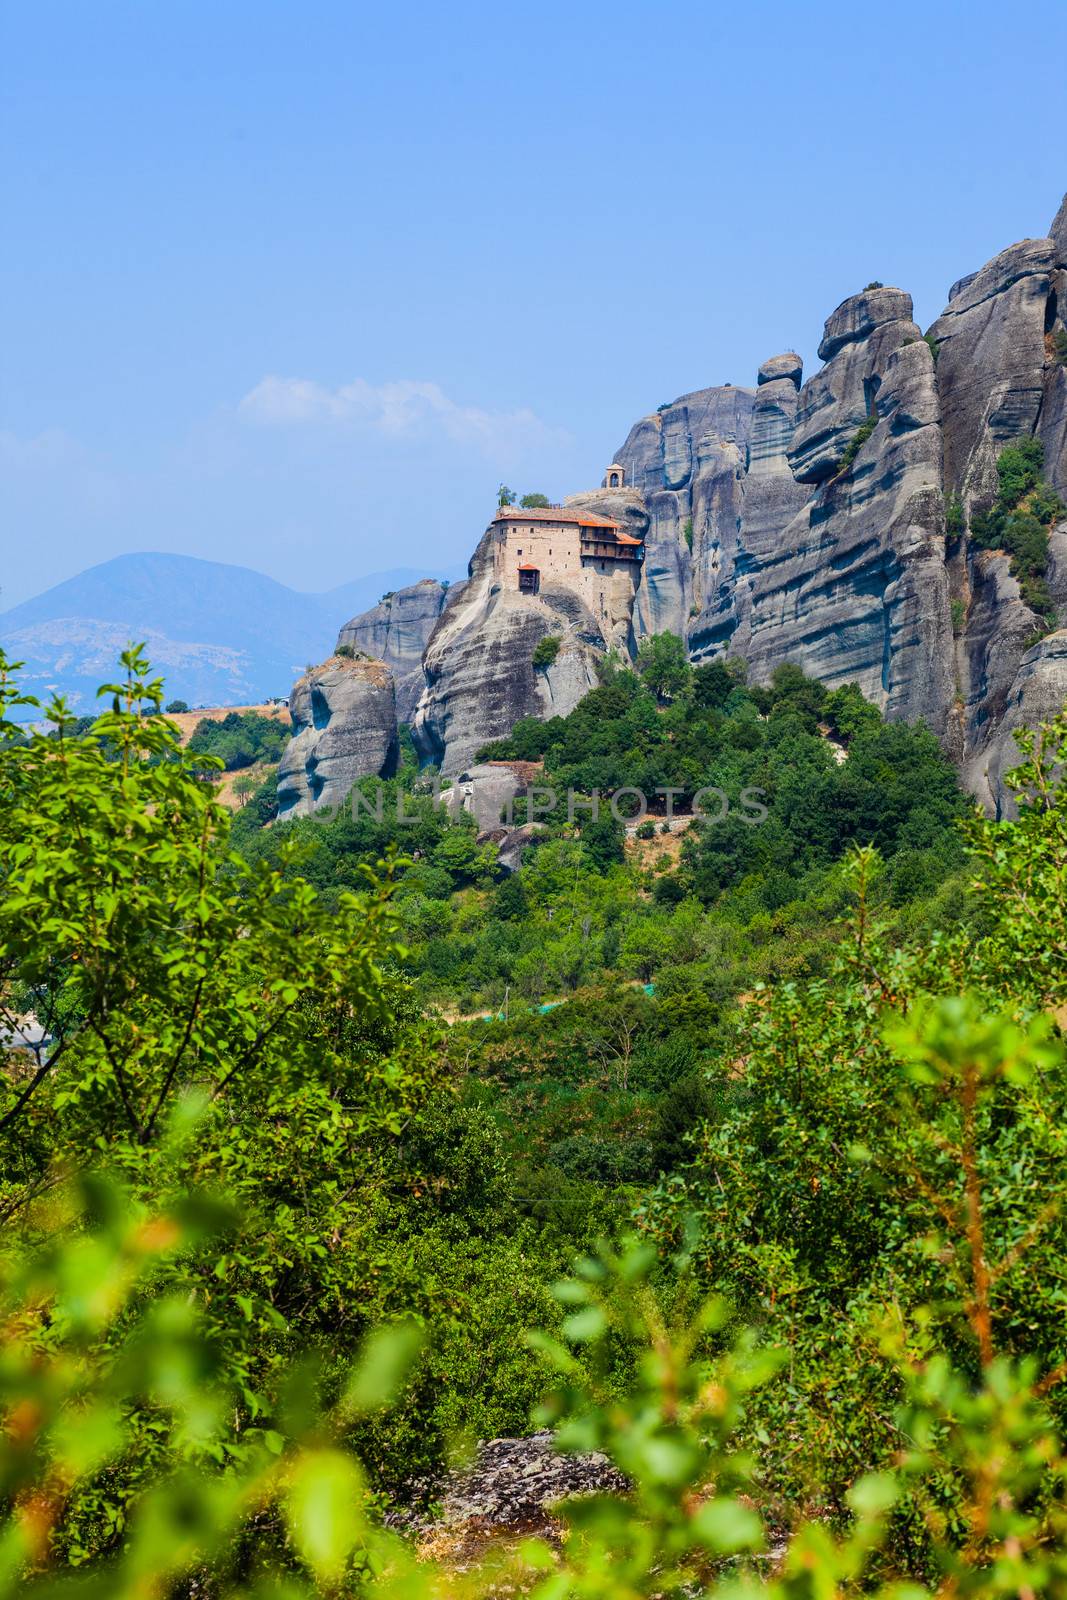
(587,553)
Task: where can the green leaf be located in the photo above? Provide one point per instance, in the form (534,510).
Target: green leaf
(874,1494)
(727,1527)
(384,1363)
(585,1326)
(324,1510)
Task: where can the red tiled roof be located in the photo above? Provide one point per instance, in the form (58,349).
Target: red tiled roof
(528,566)
(552,514)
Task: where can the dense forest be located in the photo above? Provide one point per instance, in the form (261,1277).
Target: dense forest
(733,1148)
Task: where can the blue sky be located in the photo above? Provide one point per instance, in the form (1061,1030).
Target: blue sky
(296,284)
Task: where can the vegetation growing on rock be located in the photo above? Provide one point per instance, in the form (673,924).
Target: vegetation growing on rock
(545,651)
(1019,520)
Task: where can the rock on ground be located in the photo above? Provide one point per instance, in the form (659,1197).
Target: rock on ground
(511,1488)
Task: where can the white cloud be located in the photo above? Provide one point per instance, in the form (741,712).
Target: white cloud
(40,452)
(400,408)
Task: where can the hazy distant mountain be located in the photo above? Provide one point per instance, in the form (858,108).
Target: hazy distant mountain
(220,635)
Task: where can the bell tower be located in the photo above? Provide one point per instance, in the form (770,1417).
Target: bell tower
(615,476)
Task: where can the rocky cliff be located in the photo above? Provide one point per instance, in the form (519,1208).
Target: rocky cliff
(344,728)
(823,522)
(810,523)
(480,677)
(397,631)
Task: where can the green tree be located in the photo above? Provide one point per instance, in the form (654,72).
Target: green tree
(153,957)
(664,666)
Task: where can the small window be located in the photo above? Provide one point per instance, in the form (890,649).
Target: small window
(518,552)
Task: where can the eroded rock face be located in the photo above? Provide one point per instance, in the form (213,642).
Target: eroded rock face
(397,631)
(744,536)
(479,672)
(848,568)
(1038,691)
(857,590)
(687,462)
(1052,421)
(990,364)
(860,337)
(344,728)
(775,530)
(487,792)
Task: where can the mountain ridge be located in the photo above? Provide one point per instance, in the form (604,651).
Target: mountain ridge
(219,633)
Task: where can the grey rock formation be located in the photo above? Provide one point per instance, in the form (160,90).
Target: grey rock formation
(961,284)
(487,792)
(788,366)
(478,665)
(857,589)
(516,842)
(397,631)
(745,537)
(990,364)
(344,728)
(1058,233)
(687,461)
(860,337)
(1037,692)
(774,533)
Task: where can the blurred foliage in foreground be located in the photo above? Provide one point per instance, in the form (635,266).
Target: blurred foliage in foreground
(233,1194)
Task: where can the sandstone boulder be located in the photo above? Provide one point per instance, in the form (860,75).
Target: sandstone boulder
(860,337)
(344,728)
(397,631)
(788,366)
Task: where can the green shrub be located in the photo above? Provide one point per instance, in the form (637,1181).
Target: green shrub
(531,502)
(1059,346)
(1019,521)
(1018,470)
(856,443)
(955,522)
(646,829)
(174,707)
(545,652)
(687,533)
(959,613)
(934,344)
